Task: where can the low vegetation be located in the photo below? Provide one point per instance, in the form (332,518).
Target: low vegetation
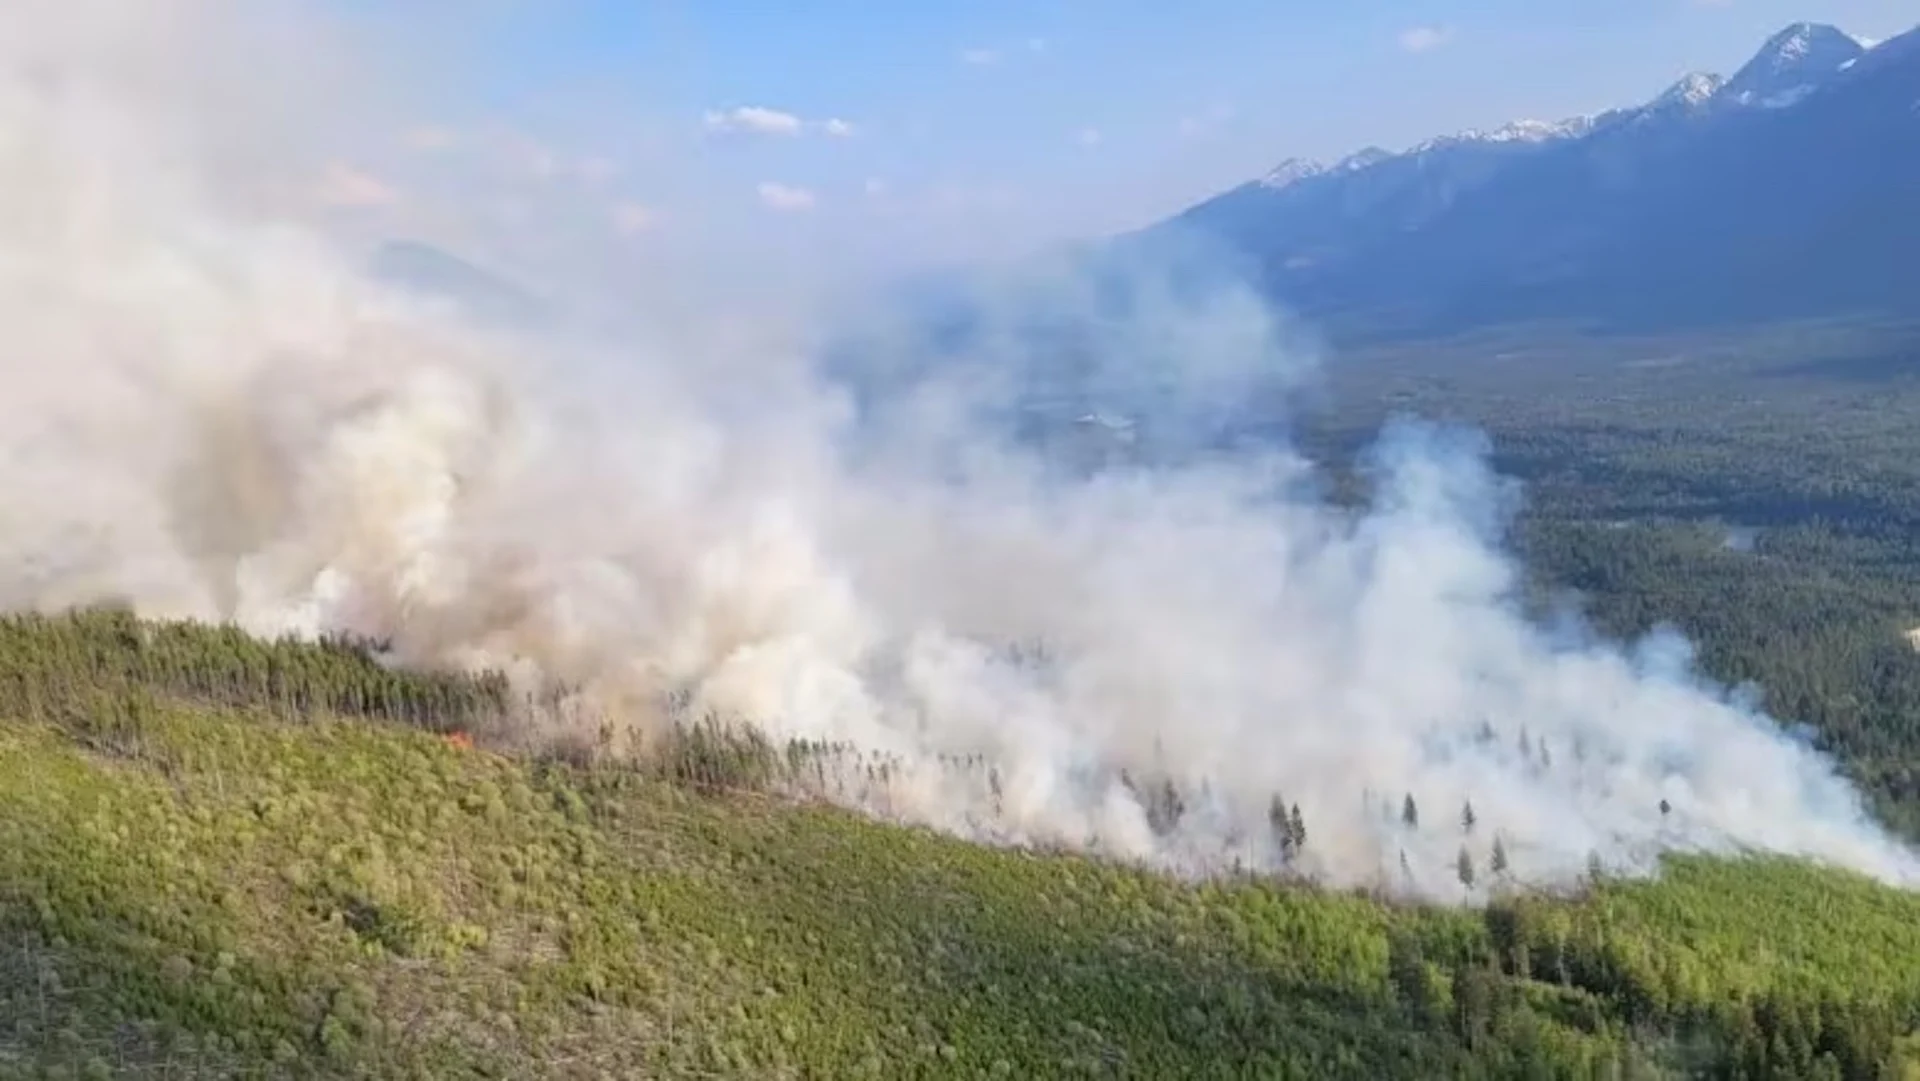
(295,881)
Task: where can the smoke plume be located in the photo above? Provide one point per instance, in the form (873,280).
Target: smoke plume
(1024,561)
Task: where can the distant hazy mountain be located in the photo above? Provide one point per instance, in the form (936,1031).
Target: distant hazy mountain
(1791,188)
(432,272)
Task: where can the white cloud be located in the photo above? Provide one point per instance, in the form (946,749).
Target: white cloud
(753,120)
(631,217)
(989,55)
(1421,39)
(776,196)
(343,185)
(759,120)
(1087,137)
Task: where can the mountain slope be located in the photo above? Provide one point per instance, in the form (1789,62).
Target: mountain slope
(1792,64)
(1785,190)
(206,872)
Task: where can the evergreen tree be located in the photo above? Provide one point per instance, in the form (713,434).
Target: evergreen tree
(1299,830)
(1281,825)
(1464,865)
(1499,863)
(1407,972)
(1467,818)
(1409,813)
(1172,806)
(1475,990)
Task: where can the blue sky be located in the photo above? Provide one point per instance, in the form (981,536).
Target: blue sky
(989,123)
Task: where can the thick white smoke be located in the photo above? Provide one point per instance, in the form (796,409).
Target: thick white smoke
(209,414)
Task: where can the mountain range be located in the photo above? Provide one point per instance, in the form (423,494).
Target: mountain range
(1789,189)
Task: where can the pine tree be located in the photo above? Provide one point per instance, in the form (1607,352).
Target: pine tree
(1299,830)
(1467,818)
(1282,826)
(1409,813)
(1464,865)
(1475,987)
(1407,973)
(1499,864)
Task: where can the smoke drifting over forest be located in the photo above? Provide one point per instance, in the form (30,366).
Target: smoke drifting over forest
(210,412)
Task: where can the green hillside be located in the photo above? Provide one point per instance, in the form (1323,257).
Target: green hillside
(220,857)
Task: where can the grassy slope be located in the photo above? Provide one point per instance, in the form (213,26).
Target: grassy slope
(198,890)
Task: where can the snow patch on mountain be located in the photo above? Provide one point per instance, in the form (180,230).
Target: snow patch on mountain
(1363,159)
(1793,64)
(1786,99)
(1291,172)
(1694,89)
(1519,131)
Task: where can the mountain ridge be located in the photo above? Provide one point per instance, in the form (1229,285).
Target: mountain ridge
(1774,173)
(1792,59)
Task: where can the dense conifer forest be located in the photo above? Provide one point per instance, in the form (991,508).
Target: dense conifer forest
(1757,489)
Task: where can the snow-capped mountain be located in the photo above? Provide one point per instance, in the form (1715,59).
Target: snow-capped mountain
(1695,90)
(1523,132)
(1809,152)
(1290,172)
(1518,131)
(1794,63)
(1362,159)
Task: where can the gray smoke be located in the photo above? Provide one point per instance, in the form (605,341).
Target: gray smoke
(211,413)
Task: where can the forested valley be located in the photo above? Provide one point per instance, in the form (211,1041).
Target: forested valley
(1757,488)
